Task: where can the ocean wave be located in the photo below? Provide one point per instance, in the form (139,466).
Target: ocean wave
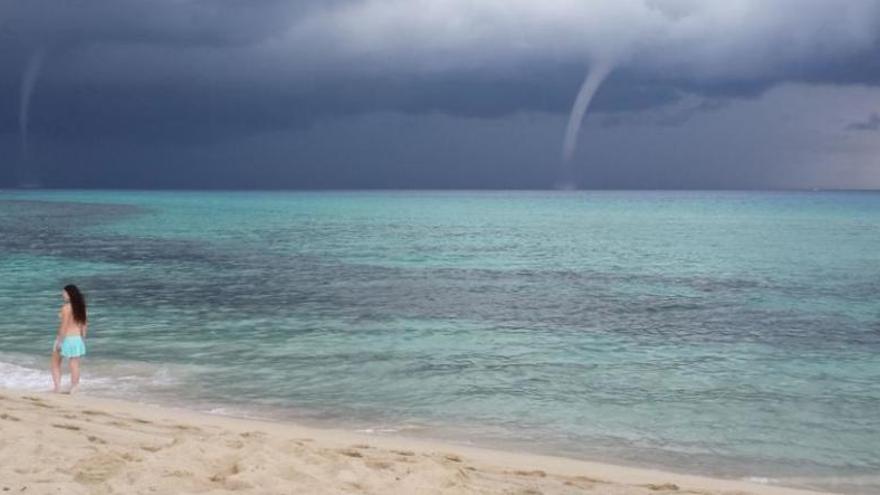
(122,379)
(13,376)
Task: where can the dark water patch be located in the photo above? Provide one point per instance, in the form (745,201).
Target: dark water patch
(367,295)
(36,216)
(52,228)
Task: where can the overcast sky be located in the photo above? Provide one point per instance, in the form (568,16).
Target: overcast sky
(439,93)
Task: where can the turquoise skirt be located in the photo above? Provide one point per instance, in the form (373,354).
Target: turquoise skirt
(73,347)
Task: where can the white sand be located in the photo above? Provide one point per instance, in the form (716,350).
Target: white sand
(70,445)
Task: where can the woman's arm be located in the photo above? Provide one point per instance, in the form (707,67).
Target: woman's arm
(58,335)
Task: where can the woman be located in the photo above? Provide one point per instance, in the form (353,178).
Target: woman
(69,342)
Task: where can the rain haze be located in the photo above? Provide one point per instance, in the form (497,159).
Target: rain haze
(623,94)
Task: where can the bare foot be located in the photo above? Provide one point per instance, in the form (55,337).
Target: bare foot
(73,389)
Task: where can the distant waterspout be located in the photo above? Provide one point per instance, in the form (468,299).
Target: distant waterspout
(598,72)
(28,82)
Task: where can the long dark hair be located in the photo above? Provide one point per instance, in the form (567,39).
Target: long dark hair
(77,303)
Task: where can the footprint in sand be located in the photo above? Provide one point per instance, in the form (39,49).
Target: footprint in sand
(584,482)
(178,473)
(379,465)
(95,413)
(670,487)
(404,456)
(535,474)
(351,453)
(224,477)
(38,402)
(97,468)
(130,457)
(9,417)
(66,427)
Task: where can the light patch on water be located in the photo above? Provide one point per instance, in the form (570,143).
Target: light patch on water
(761,479)
(380,430)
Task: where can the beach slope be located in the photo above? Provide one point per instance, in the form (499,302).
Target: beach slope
(84,445)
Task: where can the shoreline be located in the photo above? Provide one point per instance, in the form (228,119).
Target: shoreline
(85,444)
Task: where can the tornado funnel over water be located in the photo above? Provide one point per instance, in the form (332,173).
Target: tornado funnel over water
(598,72)
(28,81)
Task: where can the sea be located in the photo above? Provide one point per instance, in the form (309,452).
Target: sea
(723,333)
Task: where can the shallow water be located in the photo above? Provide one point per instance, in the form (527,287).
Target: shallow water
(725,333)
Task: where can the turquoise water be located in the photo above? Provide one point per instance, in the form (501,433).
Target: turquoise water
(727,333)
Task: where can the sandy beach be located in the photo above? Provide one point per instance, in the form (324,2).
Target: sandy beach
(80,444)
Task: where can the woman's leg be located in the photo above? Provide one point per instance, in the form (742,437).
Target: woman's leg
(56,371)
(74,373)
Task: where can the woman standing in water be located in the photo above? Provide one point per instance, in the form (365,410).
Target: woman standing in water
(69,342)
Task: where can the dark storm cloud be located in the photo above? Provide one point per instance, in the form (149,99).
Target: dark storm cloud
(276,64)
(871,124)
(70,24)
(189,72)
(201,111)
